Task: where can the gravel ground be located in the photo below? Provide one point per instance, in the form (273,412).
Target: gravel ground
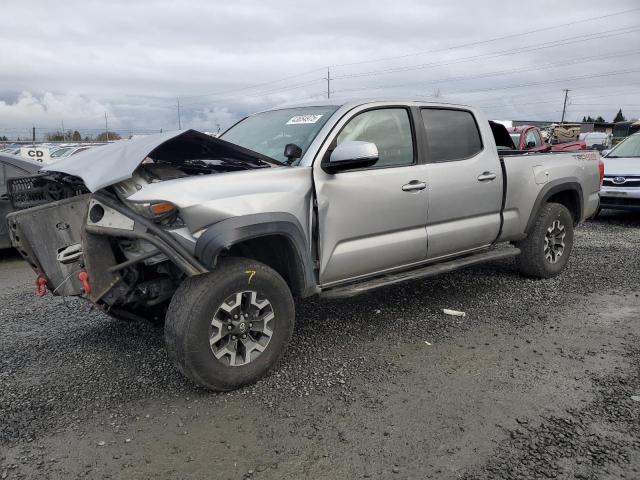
(535,382)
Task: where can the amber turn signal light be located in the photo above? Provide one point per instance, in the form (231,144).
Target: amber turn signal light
(162,208)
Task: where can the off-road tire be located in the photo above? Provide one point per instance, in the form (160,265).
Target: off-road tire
(192,310)
(532,260)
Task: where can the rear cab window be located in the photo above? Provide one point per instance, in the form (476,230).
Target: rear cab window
(452,134)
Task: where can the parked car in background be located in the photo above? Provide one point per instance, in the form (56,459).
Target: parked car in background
(11,166)
(68,151)
(596,140)
(622,130)
(335,199)
(530,138)
(11,150)
(621,185)
(61,152)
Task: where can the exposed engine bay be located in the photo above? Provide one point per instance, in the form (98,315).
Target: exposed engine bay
(46,187)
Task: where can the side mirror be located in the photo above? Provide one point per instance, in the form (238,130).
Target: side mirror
(606,152)
(292,152)
(351,155)
(531,144)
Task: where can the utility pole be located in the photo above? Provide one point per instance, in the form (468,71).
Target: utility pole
(64,137)
(564,108)
(179,121)
(106,126)
(33,134)
(328,79)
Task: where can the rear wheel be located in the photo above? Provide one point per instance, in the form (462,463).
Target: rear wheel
(546,250)
(228,328)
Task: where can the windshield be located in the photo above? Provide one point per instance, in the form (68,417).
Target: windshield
(268,132)
(516,139)
(59,152)
(629,147)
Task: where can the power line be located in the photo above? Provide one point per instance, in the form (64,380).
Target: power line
(249,87)
(564,108)
(454,47)
(491,40)
(266,92)
(500,53)
(511,71)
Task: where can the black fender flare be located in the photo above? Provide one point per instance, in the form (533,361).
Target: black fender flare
(570,184)
(224,234)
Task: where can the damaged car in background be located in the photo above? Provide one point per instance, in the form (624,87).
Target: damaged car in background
(217,236)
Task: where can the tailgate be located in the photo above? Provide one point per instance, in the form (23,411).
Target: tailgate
(47,236)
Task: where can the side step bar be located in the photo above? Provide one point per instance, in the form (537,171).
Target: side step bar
(365,286)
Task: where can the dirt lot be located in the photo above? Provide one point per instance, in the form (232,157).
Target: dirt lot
(537,381)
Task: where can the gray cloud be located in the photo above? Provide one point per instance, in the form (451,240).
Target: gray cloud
(72,61)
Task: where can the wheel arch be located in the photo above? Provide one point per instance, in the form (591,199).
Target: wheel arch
(567,192)
(275,239)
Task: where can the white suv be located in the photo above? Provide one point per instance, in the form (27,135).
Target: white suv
(621,186)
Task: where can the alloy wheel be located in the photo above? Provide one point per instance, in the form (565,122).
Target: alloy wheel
(241,328)
(554,241)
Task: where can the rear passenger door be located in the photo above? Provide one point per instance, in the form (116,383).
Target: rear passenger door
(465,182)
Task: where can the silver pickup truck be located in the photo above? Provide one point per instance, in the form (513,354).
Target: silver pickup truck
(216,236)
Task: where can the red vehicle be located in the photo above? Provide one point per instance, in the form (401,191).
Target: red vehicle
(530,138)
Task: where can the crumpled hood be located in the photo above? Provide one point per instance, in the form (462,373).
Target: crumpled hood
(621,166)
(106,165)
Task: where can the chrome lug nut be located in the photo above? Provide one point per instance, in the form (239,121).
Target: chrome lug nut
(244,335)
(229,327)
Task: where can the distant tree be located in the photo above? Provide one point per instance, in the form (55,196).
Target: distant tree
(112,136)
(55,136)
(584,119)
(619,117)
(86,138)
(599,119)
(4,138)
(76,137)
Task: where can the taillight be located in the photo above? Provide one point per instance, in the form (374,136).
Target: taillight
(601,171)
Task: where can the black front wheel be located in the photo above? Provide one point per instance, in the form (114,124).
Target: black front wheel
(546,250)
(229,327)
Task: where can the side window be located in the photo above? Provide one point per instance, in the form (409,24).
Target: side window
(533,136)
(389,129)
(451,134)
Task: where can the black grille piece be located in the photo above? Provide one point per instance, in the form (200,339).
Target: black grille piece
(630,181)
(620,201)
(27,192)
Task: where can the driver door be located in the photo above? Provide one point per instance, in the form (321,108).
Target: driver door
(372,219)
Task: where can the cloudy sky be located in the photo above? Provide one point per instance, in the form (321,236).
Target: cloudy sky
(70,62)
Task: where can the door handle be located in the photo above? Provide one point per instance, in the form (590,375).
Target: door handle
(414,186)
(487,177)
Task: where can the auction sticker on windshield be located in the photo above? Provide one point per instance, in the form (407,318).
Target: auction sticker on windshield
(299,119)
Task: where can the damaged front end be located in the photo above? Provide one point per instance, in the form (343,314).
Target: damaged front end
(80,234)
(92,245)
